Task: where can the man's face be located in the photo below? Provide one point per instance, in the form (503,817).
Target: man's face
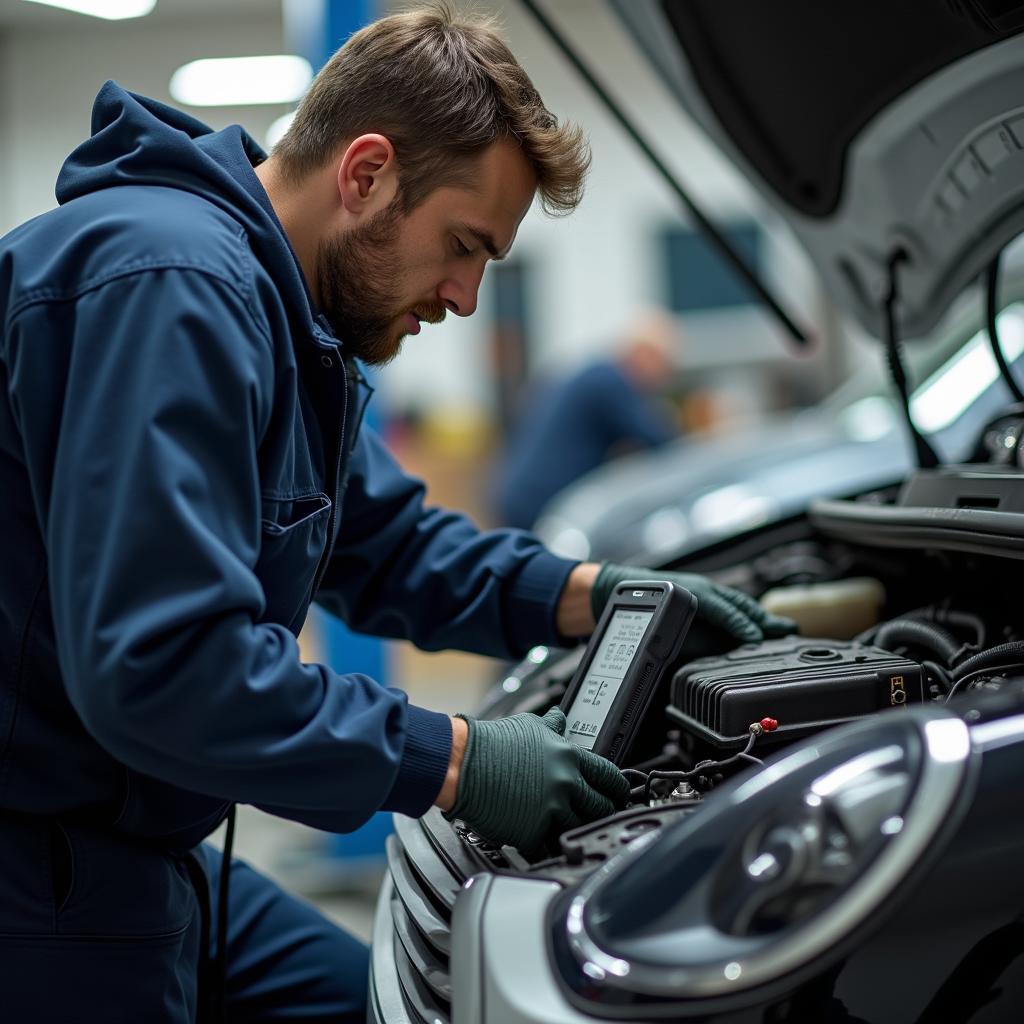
(378,280)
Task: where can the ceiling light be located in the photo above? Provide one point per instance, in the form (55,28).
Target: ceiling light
(241,81)
(112,10)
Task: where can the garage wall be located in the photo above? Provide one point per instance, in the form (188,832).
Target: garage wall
(588,273)
(52,77)
(11,143)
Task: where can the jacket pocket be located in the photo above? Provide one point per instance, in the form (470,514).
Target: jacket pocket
(68,880)
(293,540)
(112,889)
(55,980)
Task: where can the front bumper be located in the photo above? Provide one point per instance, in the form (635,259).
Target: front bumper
(410,966)
(453,941)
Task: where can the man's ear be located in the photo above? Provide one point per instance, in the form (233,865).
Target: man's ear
(368,175)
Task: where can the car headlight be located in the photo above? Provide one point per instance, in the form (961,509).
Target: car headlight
(776,871)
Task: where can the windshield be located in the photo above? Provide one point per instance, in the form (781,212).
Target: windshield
(951,369)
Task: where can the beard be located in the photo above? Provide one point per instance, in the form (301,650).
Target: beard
(358,273)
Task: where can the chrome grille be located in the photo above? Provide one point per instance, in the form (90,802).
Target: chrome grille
(427,872)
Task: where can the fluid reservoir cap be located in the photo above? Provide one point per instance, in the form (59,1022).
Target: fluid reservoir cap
(819,654)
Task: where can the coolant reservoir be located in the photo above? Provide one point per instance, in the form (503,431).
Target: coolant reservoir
(839,609)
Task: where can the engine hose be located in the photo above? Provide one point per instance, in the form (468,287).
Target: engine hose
(951,617)
(994,657)
(914,633)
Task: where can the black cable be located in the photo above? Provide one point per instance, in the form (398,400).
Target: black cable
(991,308)
(698,769)
(201,885)
(988,670)
(926,457)
(991,657)
(220,963)
(717,239)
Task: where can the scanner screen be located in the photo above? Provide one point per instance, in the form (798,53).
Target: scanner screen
(615,654)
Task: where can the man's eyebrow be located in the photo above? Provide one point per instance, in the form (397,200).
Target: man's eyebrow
(485,239)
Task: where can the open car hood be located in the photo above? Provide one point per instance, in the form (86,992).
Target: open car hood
(871,126)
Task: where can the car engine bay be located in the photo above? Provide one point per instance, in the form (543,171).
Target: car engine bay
(907,628)
(928,625)
(822,826)
(878,633)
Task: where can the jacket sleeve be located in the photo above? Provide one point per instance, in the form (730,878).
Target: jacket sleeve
(150,501)
(404,569)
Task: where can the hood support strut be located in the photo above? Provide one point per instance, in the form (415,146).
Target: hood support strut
(991,309)
(924,452)
(708,229)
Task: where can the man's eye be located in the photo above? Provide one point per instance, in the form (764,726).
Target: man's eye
(461,248)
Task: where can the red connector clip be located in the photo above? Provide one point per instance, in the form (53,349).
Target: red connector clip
(769,724)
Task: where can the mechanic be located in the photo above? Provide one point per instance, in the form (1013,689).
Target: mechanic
(183,471)
(571,426)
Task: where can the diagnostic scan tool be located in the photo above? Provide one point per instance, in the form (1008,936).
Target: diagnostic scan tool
(640,633)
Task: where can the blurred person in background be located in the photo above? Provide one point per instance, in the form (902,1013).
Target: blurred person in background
(183,471)
(570,426)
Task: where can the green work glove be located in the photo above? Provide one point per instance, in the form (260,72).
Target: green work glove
(724,617)
(523,784)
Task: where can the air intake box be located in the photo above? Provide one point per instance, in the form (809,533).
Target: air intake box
(806,684)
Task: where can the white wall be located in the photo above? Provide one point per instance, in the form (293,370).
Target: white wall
(50,77)
(9,149)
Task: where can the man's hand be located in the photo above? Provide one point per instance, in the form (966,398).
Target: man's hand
(724,616)
(522,783)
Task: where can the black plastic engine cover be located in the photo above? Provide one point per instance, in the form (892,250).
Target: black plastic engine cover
(805,683)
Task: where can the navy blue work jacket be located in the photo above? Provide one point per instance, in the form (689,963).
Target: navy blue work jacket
(181,473)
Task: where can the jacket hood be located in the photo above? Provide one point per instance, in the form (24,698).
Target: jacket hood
(140,141)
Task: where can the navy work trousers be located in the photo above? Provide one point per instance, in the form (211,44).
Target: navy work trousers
(95,928)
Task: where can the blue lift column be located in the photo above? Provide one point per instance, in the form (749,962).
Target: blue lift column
(314,29)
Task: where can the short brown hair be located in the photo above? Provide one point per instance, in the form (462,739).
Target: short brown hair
(442,87)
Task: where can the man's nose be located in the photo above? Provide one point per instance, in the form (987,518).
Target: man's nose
(460,294)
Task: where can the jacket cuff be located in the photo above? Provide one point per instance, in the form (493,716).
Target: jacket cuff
(533,601)
(428,746)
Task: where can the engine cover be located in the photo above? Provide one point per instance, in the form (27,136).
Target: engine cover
(806,684)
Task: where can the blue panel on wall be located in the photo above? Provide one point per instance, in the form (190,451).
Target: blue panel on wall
(695,276)
(316,28)
(343,18)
